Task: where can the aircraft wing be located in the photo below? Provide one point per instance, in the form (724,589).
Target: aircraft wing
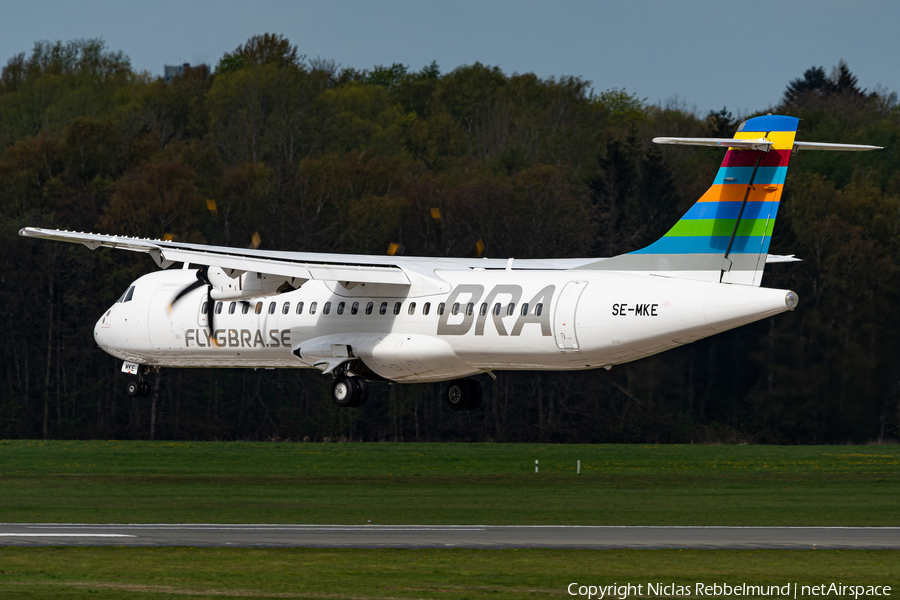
(344,268)
(421,273)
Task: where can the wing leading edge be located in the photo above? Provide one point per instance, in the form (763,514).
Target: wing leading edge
(234,261)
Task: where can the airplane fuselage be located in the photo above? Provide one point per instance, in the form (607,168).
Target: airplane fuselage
(475,321)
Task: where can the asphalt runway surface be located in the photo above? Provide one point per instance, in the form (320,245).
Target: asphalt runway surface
(447,536)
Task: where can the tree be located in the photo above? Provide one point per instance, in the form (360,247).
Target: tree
(720,124)
(815,85)
(266,49)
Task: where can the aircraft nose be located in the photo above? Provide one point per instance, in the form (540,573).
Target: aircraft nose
(100,328)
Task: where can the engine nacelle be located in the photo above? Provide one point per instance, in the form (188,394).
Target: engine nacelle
(232,284)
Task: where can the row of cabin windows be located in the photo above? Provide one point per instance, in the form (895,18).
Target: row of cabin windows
(468,309)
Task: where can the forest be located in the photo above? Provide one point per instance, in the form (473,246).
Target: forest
(322,158)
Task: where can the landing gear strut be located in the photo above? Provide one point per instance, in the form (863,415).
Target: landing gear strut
(349,391)
(463,394)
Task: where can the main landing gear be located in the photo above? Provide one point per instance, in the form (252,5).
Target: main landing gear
(349,391)
(463,394)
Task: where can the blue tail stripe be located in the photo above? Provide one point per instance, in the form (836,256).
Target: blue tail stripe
(741,176)
(768,123)
(730,210)
(753,244)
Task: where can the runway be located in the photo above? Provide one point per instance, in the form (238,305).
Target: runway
(447,536)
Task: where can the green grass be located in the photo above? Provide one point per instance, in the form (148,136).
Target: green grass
(109,572)
(170,482)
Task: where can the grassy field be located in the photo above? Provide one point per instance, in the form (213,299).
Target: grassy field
(171,482)
(447,574)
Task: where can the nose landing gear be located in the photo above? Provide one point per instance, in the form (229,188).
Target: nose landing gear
(140,386)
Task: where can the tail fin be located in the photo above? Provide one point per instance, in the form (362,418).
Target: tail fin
(725,235)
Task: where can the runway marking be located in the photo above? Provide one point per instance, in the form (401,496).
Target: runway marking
(286,526)
(296,529)
(66,535)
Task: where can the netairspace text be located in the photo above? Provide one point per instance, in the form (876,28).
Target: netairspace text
(718,590)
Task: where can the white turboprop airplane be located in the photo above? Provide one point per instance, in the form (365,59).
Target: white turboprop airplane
(408,319)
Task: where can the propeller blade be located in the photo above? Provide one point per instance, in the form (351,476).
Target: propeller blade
(183,293)
(202,279)
(211,310)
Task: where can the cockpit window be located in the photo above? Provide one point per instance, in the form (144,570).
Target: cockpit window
(127,295)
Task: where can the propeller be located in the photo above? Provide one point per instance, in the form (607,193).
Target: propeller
(202,279)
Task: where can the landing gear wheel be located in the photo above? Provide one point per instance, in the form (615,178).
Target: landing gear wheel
(134,388)
(349,391)
(145,388)
(455,394)
(343,391)
(362,389)
(463,394)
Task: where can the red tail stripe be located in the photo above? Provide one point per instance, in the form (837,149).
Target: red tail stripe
(745,158)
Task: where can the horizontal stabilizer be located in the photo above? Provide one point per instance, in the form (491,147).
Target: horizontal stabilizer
(779,258)
(825,146)
(760,144)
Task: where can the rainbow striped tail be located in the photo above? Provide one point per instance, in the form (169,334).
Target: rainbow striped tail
(725,235)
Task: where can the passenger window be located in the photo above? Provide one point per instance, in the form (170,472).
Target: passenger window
(355,308)
(327,308)
(524,308)
(470,308)
(440,309)
(245,308)
(412,308)
(497,309)
(204,310)
(397,308)
(426,307)
(340,309)
(483,308)
(271,308)
(369,308)
(218,308)
(299,308)
(286,308)
(538,308)
(312,308)
(455,309)
(511,309)
(231,308)
(383,309)
(258,308)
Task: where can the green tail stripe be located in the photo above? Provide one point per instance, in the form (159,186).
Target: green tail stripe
(719,227)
